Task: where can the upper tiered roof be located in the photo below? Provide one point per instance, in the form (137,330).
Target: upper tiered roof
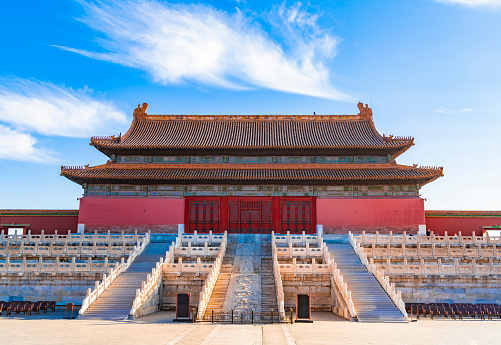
(259,134)
(252,135)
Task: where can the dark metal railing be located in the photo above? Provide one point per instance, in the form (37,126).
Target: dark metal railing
(245,317)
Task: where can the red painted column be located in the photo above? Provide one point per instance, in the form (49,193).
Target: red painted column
(224,213)
(276,214)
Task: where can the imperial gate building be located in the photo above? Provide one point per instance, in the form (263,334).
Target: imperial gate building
(252,174)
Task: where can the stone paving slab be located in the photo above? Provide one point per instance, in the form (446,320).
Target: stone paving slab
(327,328)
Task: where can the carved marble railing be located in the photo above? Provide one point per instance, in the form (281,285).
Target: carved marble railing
(278,279)
(148,298)
(64,249)
(291,251)
(302,268)
(395,295)
(211,279)
(297,239)
(341,287)
(73,237)
(190,250)
(432,238)
(93,295)
(22,266)
(202,238)
(433,250)
(438,268)
(181,267)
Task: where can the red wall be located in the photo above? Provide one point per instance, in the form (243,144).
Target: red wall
(131,213)
(341,215)
(38,223)
(439,225)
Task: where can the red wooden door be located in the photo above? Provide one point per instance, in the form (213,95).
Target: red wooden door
(250,215)
(296,216)
(203,215)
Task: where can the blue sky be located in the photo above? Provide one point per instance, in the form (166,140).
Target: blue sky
(73,69)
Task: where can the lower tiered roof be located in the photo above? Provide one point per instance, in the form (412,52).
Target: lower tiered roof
(305,174)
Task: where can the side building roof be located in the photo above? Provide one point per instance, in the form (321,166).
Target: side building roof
(259,134)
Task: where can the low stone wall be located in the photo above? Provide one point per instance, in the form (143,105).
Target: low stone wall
(319,286)
(448,289)
(62,288)
(186,283)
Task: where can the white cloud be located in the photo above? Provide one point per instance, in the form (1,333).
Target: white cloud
(197,43)
(49,109)
(15,145)
(472,3)
(445,110)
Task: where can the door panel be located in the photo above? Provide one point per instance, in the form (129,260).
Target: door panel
(296,216)
(203,215)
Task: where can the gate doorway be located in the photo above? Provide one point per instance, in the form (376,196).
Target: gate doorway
(251,215)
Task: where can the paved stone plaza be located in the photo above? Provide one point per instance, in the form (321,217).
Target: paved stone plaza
(326,329)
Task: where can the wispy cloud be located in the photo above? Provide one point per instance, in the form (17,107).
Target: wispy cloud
(445,110)
(177,43)
(19,146)
(472,3)
(49,109)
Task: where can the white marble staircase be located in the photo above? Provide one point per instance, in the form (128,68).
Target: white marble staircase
(372,303)
(115,303)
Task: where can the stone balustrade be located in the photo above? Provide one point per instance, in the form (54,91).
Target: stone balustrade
(147,299)
(439,268)
(70,237)
(301,268)
(298,239)
(405,238)
(181,267)
(340,286)
(211,279)
(191,250)
(278,279)
(56,266)
(291,251)
(26,248)
(384,280)
(93,295)
(202,238)
(433,250)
